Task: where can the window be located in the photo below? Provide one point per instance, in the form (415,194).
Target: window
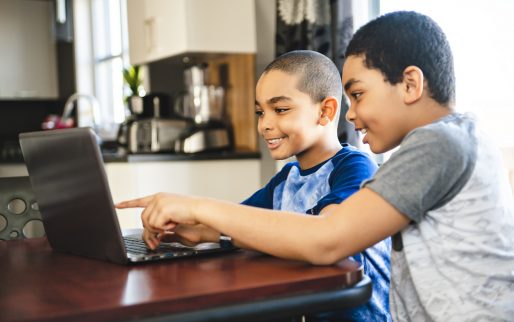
(480,34)
(101,52)
(110,47)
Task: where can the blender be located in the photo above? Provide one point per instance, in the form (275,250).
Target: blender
(204,105)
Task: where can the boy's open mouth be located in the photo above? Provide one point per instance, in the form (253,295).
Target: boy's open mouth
(363,131)
(275,142)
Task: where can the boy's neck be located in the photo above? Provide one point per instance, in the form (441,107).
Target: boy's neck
(319,153)
(429,113)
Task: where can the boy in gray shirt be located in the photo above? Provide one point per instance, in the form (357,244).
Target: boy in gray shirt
(454,260)
(443,195)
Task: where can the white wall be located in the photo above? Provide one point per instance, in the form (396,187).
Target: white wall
(27,50)
(231,180)
(482,41)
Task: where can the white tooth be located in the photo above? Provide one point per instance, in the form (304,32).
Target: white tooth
(364,131)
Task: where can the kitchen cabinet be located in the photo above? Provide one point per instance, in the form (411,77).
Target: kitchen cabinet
(232,180)
(28,52)
(163,28)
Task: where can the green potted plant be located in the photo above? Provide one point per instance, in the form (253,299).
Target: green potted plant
(132,77)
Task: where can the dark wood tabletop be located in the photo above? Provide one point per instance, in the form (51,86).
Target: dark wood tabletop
(38,284)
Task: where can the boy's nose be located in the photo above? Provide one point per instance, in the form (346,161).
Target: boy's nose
(265,123)
(350,114)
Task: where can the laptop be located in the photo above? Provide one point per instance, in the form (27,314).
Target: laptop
(70,185)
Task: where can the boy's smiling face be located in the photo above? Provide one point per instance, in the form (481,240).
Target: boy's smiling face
(377,107)
(288,119)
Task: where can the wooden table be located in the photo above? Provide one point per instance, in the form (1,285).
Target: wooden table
(38,284)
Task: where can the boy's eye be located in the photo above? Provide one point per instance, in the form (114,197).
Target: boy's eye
(259,113)
(280,110)
(356,95)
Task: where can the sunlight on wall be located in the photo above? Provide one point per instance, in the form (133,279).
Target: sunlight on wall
(481,37)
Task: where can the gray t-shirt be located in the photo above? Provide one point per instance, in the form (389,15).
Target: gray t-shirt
(457,262)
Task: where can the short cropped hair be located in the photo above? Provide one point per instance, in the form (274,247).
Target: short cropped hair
(317,75)
(394,41)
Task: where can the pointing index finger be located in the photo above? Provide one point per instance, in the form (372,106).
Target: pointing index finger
(134,203)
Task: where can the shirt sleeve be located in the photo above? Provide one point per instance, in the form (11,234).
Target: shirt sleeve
(349,172)
(430,168)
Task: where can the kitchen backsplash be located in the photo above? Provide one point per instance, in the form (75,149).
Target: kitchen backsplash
(17,116)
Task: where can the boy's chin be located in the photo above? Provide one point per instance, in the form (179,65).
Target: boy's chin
(377,149)
(280,156)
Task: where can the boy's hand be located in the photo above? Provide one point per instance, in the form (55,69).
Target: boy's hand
(153,240)
(185,234)
(163,212)
(192,235)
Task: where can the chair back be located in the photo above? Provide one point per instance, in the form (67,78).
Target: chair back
(19,211)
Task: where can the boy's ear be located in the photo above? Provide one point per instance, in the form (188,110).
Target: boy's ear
(413,81)
(329,107)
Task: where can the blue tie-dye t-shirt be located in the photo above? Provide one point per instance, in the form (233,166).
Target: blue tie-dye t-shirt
(309,191)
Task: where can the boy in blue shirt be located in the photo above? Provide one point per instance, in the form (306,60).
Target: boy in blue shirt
(298,105)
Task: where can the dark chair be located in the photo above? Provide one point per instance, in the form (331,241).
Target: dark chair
(19,212)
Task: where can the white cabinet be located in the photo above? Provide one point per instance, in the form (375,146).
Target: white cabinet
(164,28)
(232,180)
(28,61)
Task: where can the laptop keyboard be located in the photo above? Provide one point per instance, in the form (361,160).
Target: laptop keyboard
(136,245)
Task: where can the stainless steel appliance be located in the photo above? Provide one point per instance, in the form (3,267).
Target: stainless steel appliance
(155,134)
(204,105)
(211,136)
(153,106)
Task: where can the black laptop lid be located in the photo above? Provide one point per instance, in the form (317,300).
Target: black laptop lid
(68,178)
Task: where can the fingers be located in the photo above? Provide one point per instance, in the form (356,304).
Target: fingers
(154,216)
(174,236)
(135,203)
(151,239)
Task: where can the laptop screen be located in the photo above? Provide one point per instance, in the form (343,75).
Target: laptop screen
(68,178)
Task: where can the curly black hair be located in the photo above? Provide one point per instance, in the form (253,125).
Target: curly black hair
(394,41)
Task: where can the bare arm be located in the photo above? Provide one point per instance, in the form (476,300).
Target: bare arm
(339,231)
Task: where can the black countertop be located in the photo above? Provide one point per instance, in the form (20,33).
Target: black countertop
(113,156)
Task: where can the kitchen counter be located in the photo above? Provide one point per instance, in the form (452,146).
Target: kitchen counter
(115,156)
(12,164)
